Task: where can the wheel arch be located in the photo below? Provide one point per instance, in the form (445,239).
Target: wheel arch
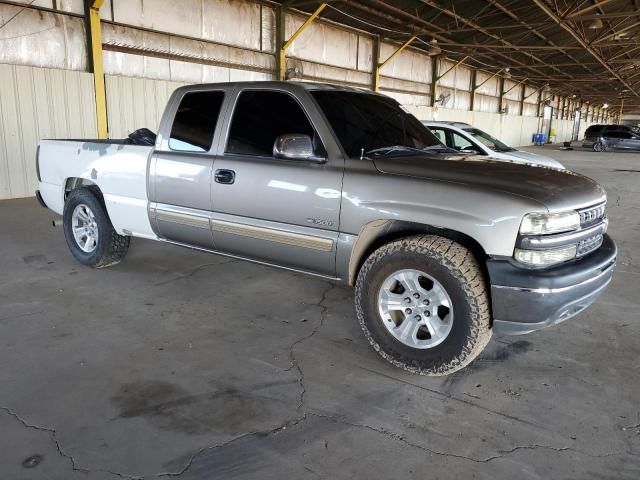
(380,232)
(73,183)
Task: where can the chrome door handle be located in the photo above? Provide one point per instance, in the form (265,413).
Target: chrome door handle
(226,177)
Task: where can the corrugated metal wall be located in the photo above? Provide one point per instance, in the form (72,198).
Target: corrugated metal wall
(134,103)
(39,103)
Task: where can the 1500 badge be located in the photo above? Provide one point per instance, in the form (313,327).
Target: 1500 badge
(321,222)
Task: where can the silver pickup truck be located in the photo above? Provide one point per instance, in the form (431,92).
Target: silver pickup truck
(443,249)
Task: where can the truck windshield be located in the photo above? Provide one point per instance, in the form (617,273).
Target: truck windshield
(374,124)
(490,142)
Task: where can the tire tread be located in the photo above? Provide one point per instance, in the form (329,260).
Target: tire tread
(464,266)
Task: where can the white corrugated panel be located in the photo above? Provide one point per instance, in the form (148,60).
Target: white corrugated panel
(512,106)
(39,103)
(485,103)
(41,39)
(490,87)
(514,90)
(316,72)
(458,78)
(134,103)
(407,65)
(322,43)
(530,110)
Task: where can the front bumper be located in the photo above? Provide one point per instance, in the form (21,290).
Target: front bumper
(527,300)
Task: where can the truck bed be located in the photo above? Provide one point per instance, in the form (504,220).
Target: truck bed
(117,168)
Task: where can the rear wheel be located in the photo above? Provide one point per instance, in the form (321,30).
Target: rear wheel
(90,235)
(423,304)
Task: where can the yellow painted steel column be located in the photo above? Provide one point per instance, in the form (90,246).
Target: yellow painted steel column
(97,68)
(282,57)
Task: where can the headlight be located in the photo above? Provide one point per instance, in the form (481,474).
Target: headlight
(545,223)
(545,258)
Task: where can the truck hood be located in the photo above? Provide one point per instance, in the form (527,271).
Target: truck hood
(556,189)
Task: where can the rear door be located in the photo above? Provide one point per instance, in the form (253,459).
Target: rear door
(278,211)
(614,137)
(181,169)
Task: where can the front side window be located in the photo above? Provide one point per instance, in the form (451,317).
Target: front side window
(459,142)
(489,141)
(366,122)
(195,121)
(439,133)
(260,117)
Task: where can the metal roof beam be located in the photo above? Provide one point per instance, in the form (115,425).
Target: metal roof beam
(512,46)
(513,16)
(569,14)
(460,18)
(554,16)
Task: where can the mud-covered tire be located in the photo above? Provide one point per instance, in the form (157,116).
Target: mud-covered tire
(110,247)
(457,270)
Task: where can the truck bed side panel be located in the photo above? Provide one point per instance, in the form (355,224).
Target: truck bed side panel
(120,171)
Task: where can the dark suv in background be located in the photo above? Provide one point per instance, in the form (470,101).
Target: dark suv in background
(605,137)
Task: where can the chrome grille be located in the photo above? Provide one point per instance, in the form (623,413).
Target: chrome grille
(591,215)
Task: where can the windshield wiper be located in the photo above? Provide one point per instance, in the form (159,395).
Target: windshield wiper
(392,149)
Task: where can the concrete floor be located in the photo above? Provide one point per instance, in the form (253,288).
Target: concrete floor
(181,364)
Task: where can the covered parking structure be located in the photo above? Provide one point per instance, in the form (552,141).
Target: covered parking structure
(511,68)
(179,364)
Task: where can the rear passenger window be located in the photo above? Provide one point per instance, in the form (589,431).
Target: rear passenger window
(262,116)
(195,122)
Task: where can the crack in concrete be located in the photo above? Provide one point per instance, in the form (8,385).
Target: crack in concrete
(292,357)
(501,453)
(53,434)
(259,433)
(193,271)
(289,423)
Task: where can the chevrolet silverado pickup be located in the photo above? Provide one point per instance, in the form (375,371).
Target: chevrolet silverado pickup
(443,248)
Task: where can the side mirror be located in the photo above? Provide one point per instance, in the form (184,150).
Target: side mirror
(471,149)
(295,146)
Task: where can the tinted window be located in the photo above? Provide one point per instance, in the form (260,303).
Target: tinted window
(195,121)
(619,134)
(593,130)
(260,117)
(363,121)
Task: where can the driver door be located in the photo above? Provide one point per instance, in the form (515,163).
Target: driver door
(271,209)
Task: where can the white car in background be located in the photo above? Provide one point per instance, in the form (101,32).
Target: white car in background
(469,139)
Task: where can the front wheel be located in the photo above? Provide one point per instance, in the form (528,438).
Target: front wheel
(90,235)
(423,304)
